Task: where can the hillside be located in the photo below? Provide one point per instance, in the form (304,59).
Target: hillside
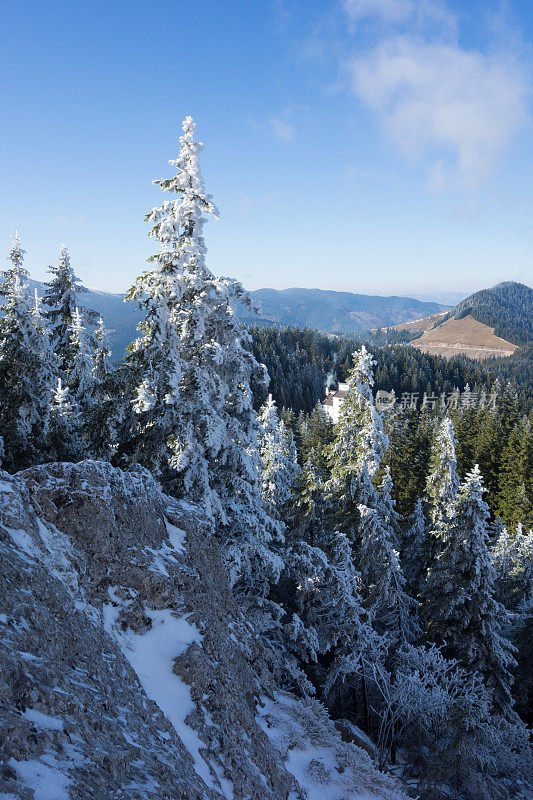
(127,669)
(465,336)
(491,322)
(506,307)
(417,325)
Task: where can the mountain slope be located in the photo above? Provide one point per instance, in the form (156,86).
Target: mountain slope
(491,322)
(463,336)
(506,307)
(128,671)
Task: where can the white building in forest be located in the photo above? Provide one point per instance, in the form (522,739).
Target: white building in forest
(334,400)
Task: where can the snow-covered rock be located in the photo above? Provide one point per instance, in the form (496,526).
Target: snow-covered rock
(127,669)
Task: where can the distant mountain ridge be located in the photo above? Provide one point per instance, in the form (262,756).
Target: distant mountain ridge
(328,311)
(336,312)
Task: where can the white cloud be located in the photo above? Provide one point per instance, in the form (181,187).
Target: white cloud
(284,125)
(462,107)
(391,10)
(282,129)
(421,15)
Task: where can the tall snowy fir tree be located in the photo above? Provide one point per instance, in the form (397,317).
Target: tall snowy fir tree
(359,442)
(60,301)
(195,424)
(442,484)
(17,270)
(66,424)
(26,371)
(512,556)
(366,511)
(443,480)
(81,380)
(391,609)
(279,464)
(101,353)
(110,412)
(461,608)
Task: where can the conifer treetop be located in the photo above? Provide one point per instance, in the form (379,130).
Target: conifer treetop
(178,224)
(16,270)
(360,441)
(443,480)
(16,254)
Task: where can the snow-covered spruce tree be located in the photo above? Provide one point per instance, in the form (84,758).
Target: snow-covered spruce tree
(195,424)
(462,612)
(50,359)
(391,609)
(443,480)
(279,465)
(504,559)
(81,381)
(17,270)
(366,511)
(385,490)
(108,401)
(66,424)
(101,353)
(441,490)
(359,442)
(327,627)
(352,642)
(60,301)
(26,373)
(512,556)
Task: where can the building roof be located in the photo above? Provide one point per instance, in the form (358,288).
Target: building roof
(340,393)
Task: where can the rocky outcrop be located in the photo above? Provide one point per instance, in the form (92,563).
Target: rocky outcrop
(126,668)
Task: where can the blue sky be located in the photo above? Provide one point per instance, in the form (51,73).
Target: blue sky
(377,146)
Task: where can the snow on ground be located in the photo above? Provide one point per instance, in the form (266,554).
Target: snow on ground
(23,541)
(46,776)
(151,655)
(324,767)
(59,557)
(166,553)
(54,550)
(176,536)
(43,720)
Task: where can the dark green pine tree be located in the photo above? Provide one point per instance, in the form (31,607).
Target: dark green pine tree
(465,424)
(515,485)
(316,434)
(488,452)
(414,550)
(311,509)
(410,437)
